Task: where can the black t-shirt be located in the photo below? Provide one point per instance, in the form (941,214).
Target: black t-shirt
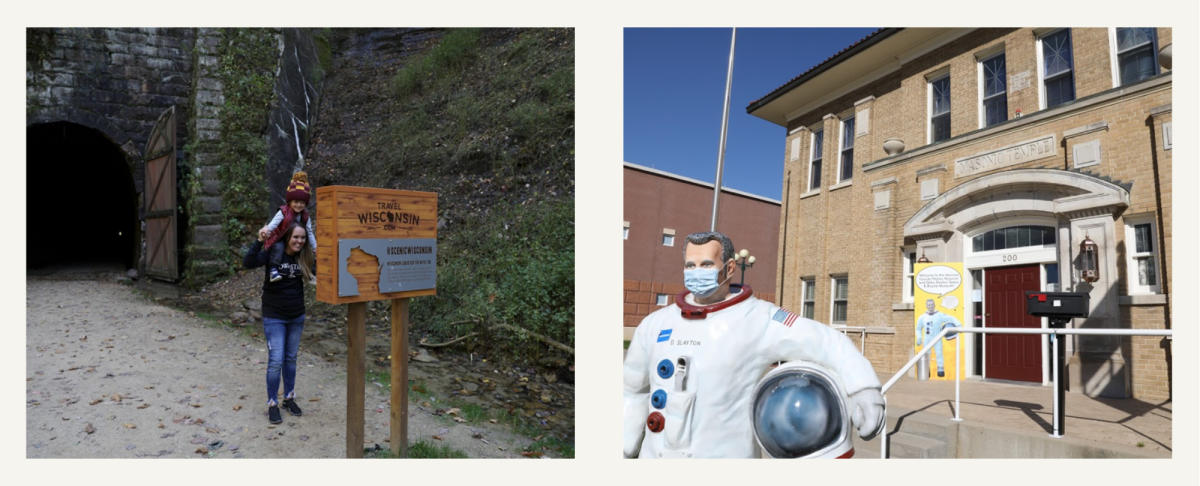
(283,299)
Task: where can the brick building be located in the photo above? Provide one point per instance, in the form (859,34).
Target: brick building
(661,209)
(1017,144)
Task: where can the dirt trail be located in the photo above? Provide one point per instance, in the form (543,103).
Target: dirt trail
(111,374)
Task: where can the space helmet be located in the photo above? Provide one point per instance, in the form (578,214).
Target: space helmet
(800,411)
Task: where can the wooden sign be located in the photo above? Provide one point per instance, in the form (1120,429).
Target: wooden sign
(375,244)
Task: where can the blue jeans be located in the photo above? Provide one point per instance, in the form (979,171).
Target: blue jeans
(283,344)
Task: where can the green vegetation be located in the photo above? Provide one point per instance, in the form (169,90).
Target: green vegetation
(247,60)
(485,118)
(514,266)
(424,450)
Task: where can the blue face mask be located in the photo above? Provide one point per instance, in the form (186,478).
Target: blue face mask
(702,282)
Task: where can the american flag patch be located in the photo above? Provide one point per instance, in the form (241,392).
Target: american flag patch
(664,335)
(784,317)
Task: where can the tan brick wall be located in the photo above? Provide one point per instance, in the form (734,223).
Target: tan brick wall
(839,232)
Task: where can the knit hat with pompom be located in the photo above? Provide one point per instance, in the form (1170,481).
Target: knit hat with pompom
(298,189)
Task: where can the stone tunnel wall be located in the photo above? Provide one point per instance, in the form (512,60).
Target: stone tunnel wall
(118,80)
(113,80)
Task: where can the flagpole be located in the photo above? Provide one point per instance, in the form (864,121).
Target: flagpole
(724,132)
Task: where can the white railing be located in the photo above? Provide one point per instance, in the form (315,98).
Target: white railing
(1053,332)
(862,333)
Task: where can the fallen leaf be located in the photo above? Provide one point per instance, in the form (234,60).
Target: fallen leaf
(531,453)
(144,405)
(237,407)
(162,425)
(98,400)
(130,426)
(494,421)
(459,420)
(438,437)
(453,411)
(201,450)
(116,397)
(314,399)
(195,405)
(149,387)
(89,429)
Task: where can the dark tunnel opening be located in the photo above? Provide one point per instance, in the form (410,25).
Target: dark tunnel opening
(81,204)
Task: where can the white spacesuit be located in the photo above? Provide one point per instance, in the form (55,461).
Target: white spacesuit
(691,370)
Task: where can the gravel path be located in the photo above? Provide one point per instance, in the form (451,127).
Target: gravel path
(111,374)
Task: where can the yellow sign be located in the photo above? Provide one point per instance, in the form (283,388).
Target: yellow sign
(939,303)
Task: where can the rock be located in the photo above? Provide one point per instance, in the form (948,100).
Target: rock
(239,317)
(550,377)
(546,398)
(132,273)
(255,314)
(471,387)
(253,305)
(424,356)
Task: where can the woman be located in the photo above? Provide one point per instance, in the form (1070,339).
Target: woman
(283,315)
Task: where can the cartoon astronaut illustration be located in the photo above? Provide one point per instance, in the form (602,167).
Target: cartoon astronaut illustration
(691,372)
(929,325)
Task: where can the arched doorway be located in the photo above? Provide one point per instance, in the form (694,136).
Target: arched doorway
(81,202)
(1019,230)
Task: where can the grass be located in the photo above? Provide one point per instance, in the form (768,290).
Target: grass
(419,450)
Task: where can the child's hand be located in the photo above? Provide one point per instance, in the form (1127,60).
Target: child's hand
(262,234)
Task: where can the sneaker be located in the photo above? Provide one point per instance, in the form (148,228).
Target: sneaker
(941,373)
(291,407)
(275,275)
(274,415)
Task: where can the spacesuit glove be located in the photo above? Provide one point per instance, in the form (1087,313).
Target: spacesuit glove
(867,412)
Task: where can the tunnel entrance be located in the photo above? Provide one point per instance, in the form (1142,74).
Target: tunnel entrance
(81,204)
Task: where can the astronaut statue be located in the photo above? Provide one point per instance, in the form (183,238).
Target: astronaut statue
(692,368)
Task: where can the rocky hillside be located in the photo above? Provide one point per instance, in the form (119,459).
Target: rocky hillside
(485,118)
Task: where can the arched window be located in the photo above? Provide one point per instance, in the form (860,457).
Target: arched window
(1014,237)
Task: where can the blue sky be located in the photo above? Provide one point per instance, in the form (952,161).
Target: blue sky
(675,89)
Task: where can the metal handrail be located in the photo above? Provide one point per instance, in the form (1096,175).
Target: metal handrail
(1054,332)
(863,331)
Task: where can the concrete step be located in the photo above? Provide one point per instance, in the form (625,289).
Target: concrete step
(934,425)
(906,445)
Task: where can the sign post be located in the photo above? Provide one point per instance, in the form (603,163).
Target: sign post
(375,244)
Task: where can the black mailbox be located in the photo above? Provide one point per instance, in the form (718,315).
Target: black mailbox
(1056,304)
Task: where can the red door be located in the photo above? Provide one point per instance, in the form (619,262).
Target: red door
(1012,356)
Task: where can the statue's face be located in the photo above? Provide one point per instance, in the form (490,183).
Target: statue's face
(707,255)
(929,305)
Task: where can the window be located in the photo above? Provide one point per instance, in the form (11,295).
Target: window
(625,231)
(1057,67)
(814,164)
(660,300)
(847,153)
(808,297)
(995,90)
(1141,263)
(939,108)
(909,257)
(1014,237)
(1135,54)
(668,237)
(840,294)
